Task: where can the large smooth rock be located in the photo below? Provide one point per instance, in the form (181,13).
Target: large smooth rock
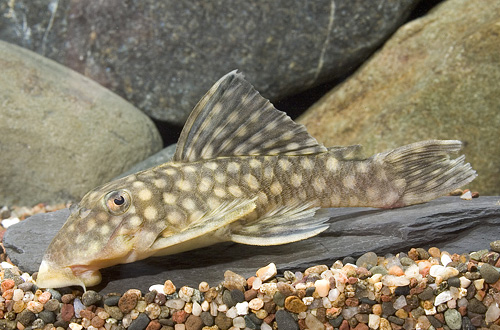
(61,133)
(449,223)
(164,55)
(437,77)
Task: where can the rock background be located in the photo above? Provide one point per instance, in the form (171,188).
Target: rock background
(436,78)
(61,133)
(449,223)
(162,56)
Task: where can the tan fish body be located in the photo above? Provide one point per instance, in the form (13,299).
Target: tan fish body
(243,172)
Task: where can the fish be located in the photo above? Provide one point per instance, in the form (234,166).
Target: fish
(244,172)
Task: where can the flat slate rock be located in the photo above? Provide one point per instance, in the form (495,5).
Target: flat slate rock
(449,223)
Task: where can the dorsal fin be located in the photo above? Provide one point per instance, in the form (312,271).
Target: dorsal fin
(233,119)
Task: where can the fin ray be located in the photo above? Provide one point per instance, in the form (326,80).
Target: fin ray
(233,119)
(284,225)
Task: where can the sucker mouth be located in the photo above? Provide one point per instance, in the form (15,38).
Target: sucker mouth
(54,276)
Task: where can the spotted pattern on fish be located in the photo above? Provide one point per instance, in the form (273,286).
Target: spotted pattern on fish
(244,172)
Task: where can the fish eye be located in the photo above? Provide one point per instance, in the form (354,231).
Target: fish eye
(117,201)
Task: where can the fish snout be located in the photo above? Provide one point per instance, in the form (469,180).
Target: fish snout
(55,276)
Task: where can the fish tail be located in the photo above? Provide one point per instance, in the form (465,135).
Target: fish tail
(425,170)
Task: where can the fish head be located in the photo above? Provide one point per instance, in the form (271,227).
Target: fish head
(110,225)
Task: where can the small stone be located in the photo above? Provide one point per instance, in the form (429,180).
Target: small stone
(489,273)
(252,321)
(153,311)
(47,316)
(234,281)
(155,325)
(322,287)
(75,326)
(242,308)
(67,312)
(112,300)
(313,323)
(140,323)
(239,322)
(114,312)
(285,320)
(453,319)
(476,306)
(128,301)
(367,260)
(175,304)
(318,269)
(267,272)
(97,322)
(295,305)
(51,305)
(91,298)
(26,317)
(179,316)
(223,322)
(194,323)
(256,304)
(169,287)
(384,324)
(443,297)
(434,252)
(35,306)
(467,196)
(492,314)
(391,280)
(378,270)
(68,298)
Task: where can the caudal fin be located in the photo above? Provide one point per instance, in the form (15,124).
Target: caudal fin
(427,169)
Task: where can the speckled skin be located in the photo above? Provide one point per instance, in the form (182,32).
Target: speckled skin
(234,179)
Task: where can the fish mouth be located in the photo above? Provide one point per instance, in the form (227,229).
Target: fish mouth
(55,276)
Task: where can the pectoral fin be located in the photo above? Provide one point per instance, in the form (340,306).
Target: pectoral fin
(284,225)
(204,230)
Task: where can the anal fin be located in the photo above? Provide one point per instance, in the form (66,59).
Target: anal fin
(284,225)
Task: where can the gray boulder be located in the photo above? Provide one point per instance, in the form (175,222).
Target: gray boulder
(62,134)
(449,223)
(162,56)
(436,78)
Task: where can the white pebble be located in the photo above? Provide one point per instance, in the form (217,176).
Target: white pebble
(464,282)
(222,308)
(205,306)
(196,310)
(308,300)
(412,272)
(6,265)
(322,287)
(492,314)
(451,303)
(239,322)
(466,196)
(301,315)
(333,294)
(392,280)
(185,293)
(256,283)
(242,308)
(375,278)
(443,272)
(373,321)
(232,312)
(156,287)
(6,223)
(75,326)
(327,303)
(18,295)
(442,298)
(445,259)
(256,304)
(265,326)
(213,309)
(180,326)
(267,272)
(28,296)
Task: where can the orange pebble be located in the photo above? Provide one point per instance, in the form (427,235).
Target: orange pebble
(396,270)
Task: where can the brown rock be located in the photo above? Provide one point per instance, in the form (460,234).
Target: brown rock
(155,325)
(97,322)
(67,312)
(295,305)
(180,316)
(361,326)
(68,298)
(430,80)
(128,302)
(7,284)
(234,281)
(87,314)
(352,302)
(344,325)
(223,322)
(193,323)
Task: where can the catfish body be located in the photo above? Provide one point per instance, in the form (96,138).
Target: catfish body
(243,172)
